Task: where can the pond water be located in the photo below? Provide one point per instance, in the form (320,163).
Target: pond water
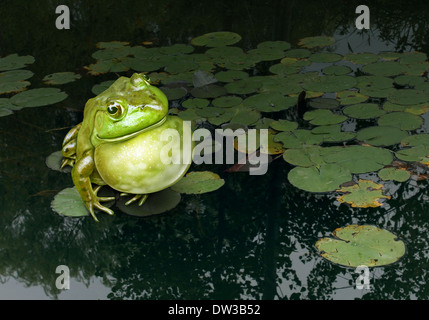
(254,238)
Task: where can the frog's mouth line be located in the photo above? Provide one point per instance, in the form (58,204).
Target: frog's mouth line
(131,135)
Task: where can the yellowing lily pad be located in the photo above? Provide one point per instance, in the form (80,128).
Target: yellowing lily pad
(364,194)
(198,182)
(357,245)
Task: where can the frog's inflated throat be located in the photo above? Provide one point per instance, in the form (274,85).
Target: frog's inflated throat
(118,143)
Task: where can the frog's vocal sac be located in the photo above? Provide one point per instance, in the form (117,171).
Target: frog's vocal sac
(118,143)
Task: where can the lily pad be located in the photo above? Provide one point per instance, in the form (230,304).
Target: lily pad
(401,120)
(202,78)
(245,116)
(269,102)
(15,86)
(358,159)
(274,45)
(327,177)
(381,135)
(231,75)
(408,97)
(387,68)
(317,41)
(304,157)
(400,175)
(329,83)
(195,103)
(208,91)
(333,133)
(364,194)
(323,117)
(298,138)
(15,61)
(227,101)
(336,70)
(325,57)
(283,125)
(243,86)
(15,75)
(69,203)
(61,78)
(198,182)
(357,245)
(324,103)
(174,93)
(38,97)
(156,203)
(216,39)
(53,161)
(347,97)
(363,111)
(361,58)
(99,88)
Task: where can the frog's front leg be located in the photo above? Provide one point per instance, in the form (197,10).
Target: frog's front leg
(81,174)
(69,146)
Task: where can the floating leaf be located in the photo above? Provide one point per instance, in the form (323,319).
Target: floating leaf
(298,138)
(69,203)
(357,245)
(245,116)
(333,133)
(99,88)
(195,103)
(143,65)
(412,57)
(347,97)
(269,102)
(325,57)
(408,97)
(417,153)
(361,58)
(198,182)
(61,78)
(216,39)
(231,75)
(358,159)
(16,86)
(227,101)
(38,97)
(401,120)
(274,45)
(176,49)
(202,78)
(282,69)
(242,87)
(283,125)
(410,81)
(336,70)
(298,53)
(208,91)
(324,179)
(381,136)
(14,61)
(387,68)
(53,161)
(329,83)
(112,53)
(174,93)
(363,111)
(364,194)
(317,41)
(304,157)
(156,203)
(400,175)
(324,103)
(323,117)
(15,75)
(111,44)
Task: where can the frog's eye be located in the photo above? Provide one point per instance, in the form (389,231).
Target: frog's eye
(115,110)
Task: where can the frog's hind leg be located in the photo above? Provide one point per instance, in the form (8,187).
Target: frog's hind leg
(141,197)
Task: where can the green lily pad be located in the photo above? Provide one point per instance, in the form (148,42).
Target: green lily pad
(245,116)
(333,133)
(111,44)
(198,182)
(358,159)
(327,177)
(417,153)
(202,78)
(323,117)
(375,82)
(400,175)
(16,86)
(336,70)
(361,58)
(416,140)
(227,101)
(15,75)
(69,203)
(269,102)
(401,120)
(417,109)
(408,97)
(412,57)
(304,157)
(357,245)
(298,138)
(364,194)
(282,69)
(347,97)
(363,111)
(195,103)
(38,97)
(324,103)
(14,61)
(266,54)
(210,112)
(208,91)
(216,39)
(298,53)
(99,88)
(231,75)
(174,93)
(61,78)
(274,45)
(283,125)
(143,65)
(410,81)
(317,41)
(176,49)
(329,83)
(325,57)
(242,87)
(112,53)
(156,203)
(5,112)
(387,68)
(381,135)
(53,161)
(189,115)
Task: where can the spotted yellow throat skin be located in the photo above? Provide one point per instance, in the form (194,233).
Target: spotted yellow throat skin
(119,143)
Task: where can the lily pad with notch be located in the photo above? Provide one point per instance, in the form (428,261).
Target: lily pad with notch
(357,245)
(198,182)
(395,174)
(38,97)
(364,194)
(364,111)
(401,120)
(381,135)
(216,39)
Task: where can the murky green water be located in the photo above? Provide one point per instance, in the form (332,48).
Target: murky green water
(253,238)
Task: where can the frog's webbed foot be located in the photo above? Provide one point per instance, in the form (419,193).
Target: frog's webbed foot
(96,204)
(141,197)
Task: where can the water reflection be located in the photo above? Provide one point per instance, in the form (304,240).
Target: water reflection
(253,239)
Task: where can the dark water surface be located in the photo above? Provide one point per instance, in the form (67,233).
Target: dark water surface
(253,238)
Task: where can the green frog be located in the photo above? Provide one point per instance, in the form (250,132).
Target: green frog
(120,143)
